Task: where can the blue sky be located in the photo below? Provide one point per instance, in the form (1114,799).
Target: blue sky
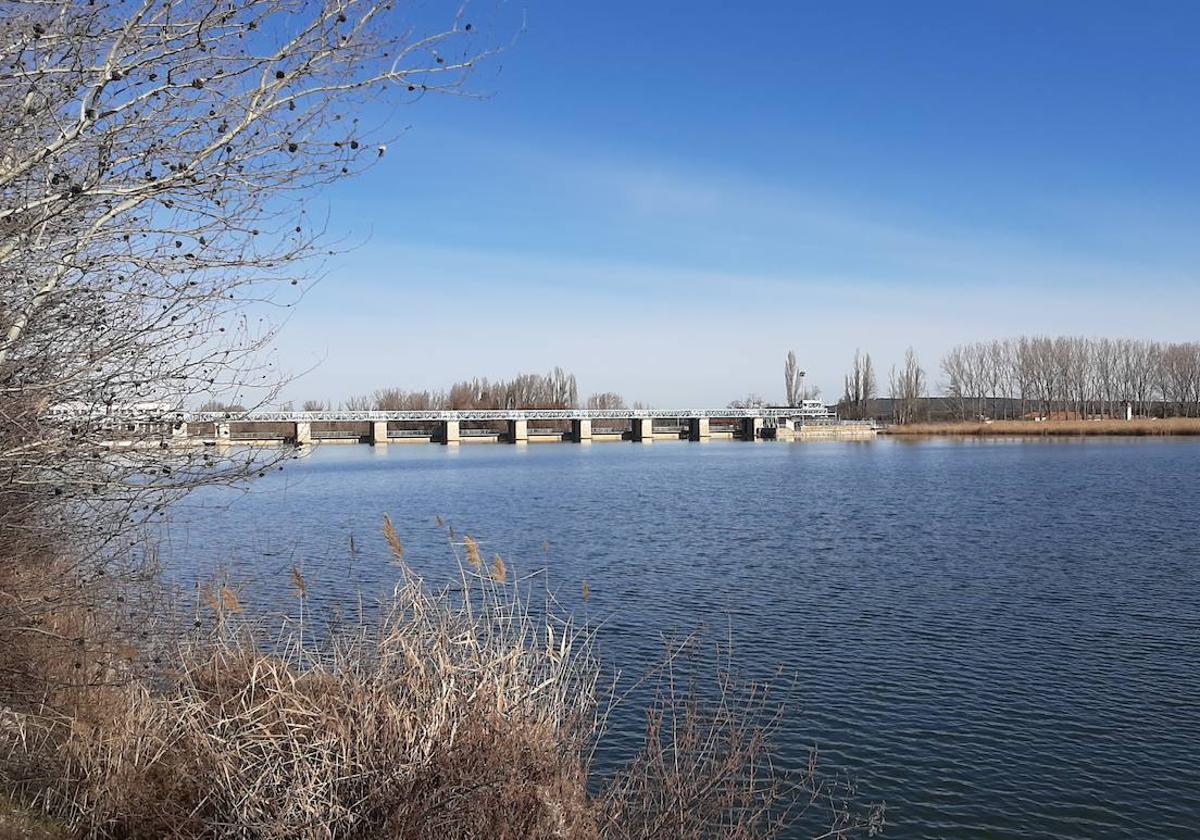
(666,197)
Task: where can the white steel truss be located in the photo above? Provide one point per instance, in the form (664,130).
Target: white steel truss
(503,414)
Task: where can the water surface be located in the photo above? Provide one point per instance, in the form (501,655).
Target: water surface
(996,637)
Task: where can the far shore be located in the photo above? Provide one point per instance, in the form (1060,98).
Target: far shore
(1137,427)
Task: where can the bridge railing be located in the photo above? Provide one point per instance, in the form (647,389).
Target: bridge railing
(489,415)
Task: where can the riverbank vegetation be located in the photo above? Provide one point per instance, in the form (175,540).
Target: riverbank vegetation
(1037,378)
(462,712)
(1073,376)
(1139,427)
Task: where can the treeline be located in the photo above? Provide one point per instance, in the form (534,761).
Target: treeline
(1074,377)
(1061,377)
(556,389)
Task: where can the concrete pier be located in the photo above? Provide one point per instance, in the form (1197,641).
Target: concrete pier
(784,429)
(302,433)
(752,428)
(379,435)
(518,431)
(581,431)
(221,431)
(450,433)
(643,429)
(698,429)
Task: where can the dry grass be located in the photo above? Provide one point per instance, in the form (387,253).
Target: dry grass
(708,770)
(1139,427)
(457,713)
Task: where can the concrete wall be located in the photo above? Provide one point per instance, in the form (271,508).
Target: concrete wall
(834,432)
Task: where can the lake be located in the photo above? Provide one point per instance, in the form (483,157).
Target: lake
(998,638)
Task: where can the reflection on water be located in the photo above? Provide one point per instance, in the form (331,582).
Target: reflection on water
(999,638)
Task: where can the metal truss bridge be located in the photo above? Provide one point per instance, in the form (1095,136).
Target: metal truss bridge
(504,414)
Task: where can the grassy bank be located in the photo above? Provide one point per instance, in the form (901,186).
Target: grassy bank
(1139,427)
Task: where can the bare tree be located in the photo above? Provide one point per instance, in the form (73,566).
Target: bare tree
(360,402)
(870,388)
(860,389)
(219,407)
(1106,371)
(397,399)
(1005,364)
(793,379)
(606,400)
(156,159)
(907,388)
(748,401)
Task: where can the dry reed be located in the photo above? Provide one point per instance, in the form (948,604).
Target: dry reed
(431,719)
(1139,427)
(393,539)
(457,713)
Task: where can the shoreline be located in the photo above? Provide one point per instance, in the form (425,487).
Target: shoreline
(1138,427)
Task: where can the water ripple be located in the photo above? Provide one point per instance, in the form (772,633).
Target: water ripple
(998,638)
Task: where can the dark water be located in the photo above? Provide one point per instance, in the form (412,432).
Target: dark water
(997,638)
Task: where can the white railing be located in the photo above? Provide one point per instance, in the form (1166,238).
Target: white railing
(502,414)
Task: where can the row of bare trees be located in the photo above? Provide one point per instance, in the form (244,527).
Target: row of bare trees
(1065,377)
(556,389)
(1073,377)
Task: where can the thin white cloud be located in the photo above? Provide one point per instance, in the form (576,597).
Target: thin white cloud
(695,283)
(669,336)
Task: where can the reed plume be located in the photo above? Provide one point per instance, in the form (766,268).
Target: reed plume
(230,601)
(299,584)
(393,539)
(499,570)
(471,546)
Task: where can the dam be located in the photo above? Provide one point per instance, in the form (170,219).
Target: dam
(513,426)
